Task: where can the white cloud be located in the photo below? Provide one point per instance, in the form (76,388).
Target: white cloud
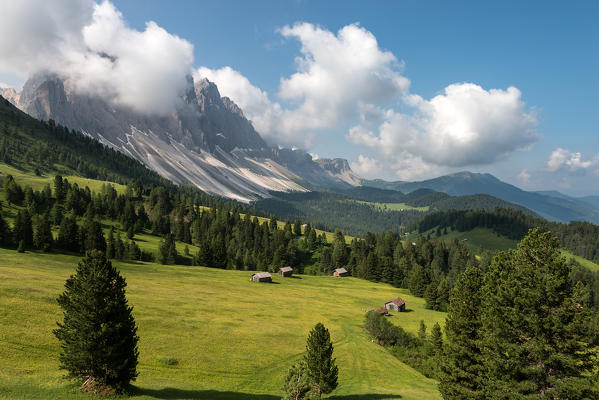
(91,45)
(524,177)
(561,159)
(465,125)
(366,167)
(338,76)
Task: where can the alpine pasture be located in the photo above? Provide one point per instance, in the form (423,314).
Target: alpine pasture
(207,333)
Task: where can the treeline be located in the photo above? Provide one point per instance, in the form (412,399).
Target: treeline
(428,268)
(330,211)
(582,238)
(226,238)
(230,239)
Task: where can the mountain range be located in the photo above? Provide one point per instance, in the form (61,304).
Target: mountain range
(208,142)
(552,205)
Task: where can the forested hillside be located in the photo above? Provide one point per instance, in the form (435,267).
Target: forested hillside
(582,238)
(365,209)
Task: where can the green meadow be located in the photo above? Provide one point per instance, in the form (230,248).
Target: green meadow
(394,206)
(207,333)
(27,178)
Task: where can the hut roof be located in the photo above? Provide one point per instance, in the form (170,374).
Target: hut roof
(285,269)
(341,270)
(262,275)
(382,310)
(398,300)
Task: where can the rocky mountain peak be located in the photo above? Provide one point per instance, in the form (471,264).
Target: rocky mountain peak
(334,165)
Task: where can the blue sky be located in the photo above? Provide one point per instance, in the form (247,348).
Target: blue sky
(547,50)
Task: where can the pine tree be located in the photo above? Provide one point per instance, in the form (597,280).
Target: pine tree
(297,384)
(437,338)
(98,336)
(536,343)
(319,360)
(422,330)
(23,229)
(42,235)
(167,252)
(461,368)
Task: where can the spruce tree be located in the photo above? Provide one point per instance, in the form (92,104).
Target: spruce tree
(536,343)
(297,383)
(461,368)
(42,235)
(437,338)
(98,336)
(319,360)
(167,252)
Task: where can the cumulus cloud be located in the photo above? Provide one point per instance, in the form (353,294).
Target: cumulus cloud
(561,159)
(524,177)
(466,125)
(91,45)
(337,76)
(366,167)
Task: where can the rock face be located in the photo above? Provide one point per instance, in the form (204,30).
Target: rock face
(206,141)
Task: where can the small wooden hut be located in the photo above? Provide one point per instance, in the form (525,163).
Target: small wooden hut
(261,277)
(396,304)
(286,271)
(339,272)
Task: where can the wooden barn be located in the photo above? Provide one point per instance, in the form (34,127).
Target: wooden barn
(286,271)
(397,304)
(261,277)
(340,272)
(382,311)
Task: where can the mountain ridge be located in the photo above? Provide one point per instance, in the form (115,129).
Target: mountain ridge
(562,208)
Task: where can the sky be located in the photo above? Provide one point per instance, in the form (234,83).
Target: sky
(405,90)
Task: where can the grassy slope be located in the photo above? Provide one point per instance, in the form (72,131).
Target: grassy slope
(394,206)
(229,336)
(486,239)
(27,178)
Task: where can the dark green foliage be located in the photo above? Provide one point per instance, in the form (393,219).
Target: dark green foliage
(98,336)
(167,252)
(578,237)
(535,329)
(42,234)
(422,330)
(462,368)
(21,246)
(320,364)
(23,229)
(437,338)
(297,384)
(68,234)
(385,333)
(91,236)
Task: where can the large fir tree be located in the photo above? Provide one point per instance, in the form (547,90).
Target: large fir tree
(535,341)
(98,336)
(462,369)
(319,360)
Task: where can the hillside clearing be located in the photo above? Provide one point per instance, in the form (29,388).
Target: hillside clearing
(207,333)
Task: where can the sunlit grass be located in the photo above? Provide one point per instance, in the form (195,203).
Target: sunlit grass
(229,336)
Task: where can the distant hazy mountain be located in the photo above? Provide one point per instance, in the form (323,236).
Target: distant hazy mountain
(206,141)
(553,206)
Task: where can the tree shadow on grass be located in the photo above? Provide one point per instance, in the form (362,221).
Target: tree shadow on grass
(365,397)
(182,394)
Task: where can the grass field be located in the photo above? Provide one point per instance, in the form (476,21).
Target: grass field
(394,206)
(232,339)
(27,178)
